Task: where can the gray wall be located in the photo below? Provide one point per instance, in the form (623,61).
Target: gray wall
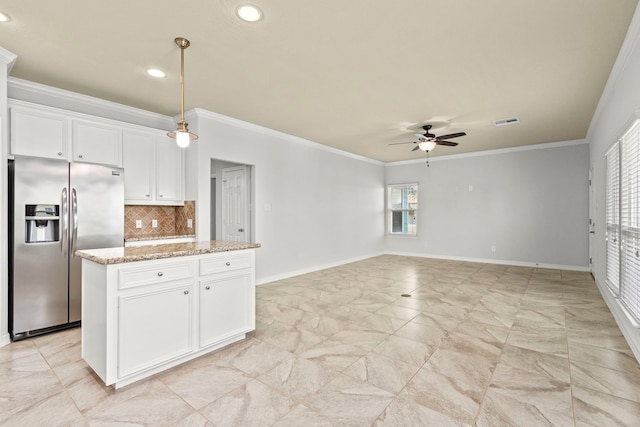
(314,206)
(532,205)
(619,105)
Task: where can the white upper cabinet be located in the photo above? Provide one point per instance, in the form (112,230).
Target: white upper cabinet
(153,169)
(48,132)
(169,182)
(95,142)
(39,133)
(138,167)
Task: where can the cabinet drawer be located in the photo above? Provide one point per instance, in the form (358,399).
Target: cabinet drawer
(149,274)
(224,262)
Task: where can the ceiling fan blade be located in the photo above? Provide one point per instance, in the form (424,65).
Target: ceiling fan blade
(447,143)
(417,147)
(452,135)
(399,143)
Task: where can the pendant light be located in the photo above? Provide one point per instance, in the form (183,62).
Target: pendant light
(182,135)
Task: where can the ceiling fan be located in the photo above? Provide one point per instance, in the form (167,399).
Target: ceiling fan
(427,141)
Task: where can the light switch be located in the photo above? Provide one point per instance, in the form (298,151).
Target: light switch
(154,223)
(138,223)
(189,223)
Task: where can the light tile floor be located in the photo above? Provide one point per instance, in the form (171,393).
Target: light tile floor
(474,344)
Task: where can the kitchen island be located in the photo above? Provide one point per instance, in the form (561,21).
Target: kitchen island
(149,308)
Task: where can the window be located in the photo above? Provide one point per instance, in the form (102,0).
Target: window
(613,218)
(402,209)
(623,219)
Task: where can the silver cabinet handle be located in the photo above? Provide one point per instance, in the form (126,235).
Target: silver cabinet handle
(240,230)
(160,273)
(228,263)
(186,292)
(207,287)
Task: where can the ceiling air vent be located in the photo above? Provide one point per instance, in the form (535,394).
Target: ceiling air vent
(509,121)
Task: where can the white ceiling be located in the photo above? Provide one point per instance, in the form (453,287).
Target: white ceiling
(351,74)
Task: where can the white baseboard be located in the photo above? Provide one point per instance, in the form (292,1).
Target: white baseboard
(493,261)
(274,278)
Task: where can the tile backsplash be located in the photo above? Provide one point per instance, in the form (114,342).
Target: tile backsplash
(172,220)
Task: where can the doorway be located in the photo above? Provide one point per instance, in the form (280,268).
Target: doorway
(231,201)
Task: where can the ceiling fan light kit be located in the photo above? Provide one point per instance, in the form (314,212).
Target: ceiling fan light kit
(427,141)
(182,135)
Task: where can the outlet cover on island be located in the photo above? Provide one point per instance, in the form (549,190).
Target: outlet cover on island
(154,223)
(138,223)
(189,223)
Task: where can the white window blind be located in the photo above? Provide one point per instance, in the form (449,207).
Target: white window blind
(630,219)
(613,218)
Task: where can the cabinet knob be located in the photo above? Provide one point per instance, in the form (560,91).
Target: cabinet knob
(59,153)
(228,263)
(207,287)
(186,292)
(160,195)
(79,156)
(147,195)
(160,273)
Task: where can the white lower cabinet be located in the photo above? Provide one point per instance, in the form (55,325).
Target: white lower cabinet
(224,311)
(154,327)
(140,318)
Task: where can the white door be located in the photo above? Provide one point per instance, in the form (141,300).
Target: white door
(234,204)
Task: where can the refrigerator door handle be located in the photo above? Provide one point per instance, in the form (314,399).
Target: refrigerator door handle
(74,216)
(64,216)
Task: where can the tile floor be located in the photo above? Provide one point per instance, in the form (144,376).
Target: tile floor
(474,344)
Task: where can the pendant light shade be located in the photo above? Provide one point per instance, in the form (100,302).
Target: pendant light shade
(182,135)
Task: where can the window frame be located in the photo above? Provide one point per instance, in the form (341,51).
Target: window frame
(623,255)
(389,210)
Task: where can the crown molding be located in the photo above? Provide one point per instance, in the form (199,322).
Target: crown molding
(37,93)
(543,146)
(220,118)
(8,58)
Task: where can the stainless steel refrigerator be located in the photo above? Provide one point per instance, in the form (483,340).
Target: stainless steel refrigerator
(57,208)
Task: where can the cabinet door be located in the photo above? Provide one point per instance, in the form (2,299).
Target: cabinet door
(39,133)
(138,166)
(169,181)
(154,327)
(94,142)
(227,308)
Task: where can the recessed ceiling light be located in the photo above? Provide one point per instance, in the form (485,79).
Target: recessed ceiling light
(4,17)
(249,13)
(154,72)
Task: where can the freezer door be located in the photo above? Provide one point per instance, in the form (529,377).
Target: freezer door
(39,289)
(96,219)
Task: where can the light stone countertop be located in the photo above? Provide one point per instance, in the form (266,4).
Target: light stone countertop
(145,253)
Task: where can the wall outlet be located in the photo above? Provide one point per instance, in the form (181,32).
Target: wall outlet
(189,223)
(138,223)
(493,248)
(154,223)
